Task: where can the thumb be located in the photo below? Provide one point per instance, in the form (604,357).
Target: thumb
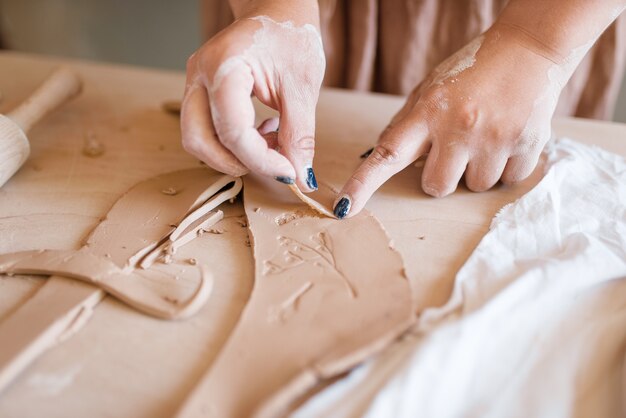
(398,146)
(296,138)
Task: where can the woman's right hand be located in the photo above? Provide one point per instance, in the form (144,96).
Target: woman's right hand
(277,57)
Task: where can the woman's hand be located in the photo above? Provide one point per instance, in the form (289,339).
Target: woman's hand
(486,111)
(275,54)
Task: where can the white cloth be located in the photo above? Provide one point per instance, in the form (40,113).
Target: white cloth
(536,325)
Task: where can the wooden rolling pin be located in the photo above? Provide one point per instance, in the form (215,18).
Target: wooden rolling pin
(60,87)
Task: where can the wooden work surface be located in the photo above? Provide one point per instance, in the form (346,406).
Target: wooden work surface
(123,363)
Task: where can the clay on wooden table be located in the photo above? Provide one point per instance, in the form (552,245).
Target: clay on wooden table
(54,313)
(139,221)
(327,295)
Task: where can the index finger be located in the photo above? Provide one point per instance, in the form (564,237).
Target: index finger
(233,117)
(400,144)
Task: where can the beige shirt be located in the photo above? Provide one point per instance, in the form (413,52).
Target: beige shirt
(389,46)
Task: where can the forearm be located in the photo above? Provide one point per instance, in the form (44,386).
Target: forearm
(300,12)
(559,29)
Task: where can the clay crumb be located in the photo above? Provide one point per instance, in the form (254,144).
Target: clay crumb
(192,261)
(170,191)
(167,259)
(247,242)
(216,231)
(107,255)
(92,147)
(243,222)
(257,210)
(171,300)
(423,237)
(171,106)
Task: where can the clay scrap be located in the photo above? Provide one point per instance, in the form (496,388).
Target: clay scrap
(145,225)
(327,295)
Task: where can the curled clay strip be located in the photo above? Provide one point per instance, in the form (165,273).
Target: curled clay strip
(316,206)
(171,245)
(198,217)
(129,288)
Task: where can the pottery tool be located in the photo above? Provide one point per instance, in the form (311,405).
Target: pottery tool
(60,87)
(167,208)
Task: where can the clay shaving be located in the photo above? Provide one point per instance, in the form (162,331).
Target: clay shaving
(316,206)
(171,106)
(92,147)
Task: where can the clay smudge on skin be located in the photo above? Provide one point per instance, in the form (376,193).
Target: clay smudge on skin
(289,306)
(260,39)
(462,60)
(557,77)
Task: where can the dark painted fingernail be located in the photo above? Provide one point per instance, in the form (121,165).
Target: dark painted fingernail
(367,153)
(311,181)
(284,179)
(342,208)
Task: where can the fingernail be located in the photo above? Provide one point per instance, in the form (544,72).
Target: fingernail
(311,181)
(367,153)
(342,208)
(284,179)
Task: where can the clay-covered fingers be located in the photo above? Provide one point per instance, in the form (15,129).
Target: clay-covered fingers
(199,137)
(520,166)
(399,146)
(233,117)
(484,171)
(444,167)
(297,137)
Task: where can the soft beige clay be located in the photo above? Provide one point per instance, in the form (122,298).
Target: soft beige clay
(140,219)
(59,308)
(327,295)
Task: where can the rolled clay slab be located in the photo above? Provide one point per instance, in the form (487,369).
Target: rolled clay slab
(327,295)
(140,220)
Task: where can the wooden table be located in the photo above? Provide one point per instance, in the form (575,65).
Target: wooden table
(123,363)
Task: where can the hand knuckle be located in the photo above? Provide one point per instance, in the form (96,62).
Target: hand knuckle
(384,154)
(477,184)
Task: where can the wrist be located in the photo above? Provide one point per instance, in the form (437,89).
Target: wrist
(560,31)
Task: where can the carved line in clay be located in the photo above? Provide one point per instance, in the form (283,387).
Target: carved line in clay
(296,256)
(289,306)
